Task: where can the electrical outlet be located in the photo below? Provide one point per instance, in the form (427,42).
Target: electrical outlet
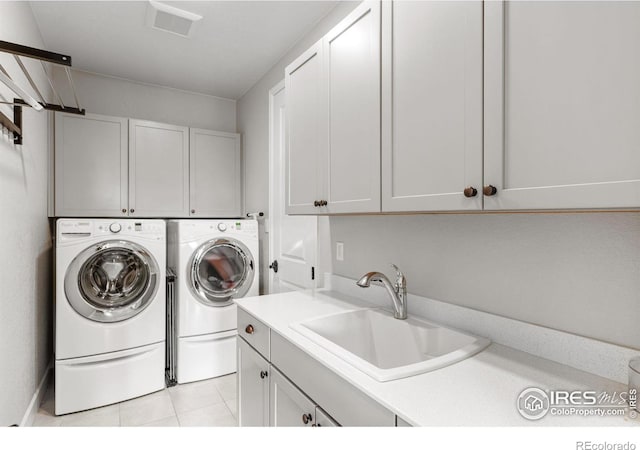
(339,251)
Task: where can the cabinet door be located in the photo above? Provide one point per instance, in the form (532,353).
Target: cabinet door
(431,105)
(561,104)
(214,175)
(253,387)
(352,74)
(323,419)
(158,170)
(305,131)
(289,406)
(90,166)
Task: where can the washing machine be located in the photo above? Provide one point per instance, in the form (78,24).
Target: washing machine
(215,262)
(109,311)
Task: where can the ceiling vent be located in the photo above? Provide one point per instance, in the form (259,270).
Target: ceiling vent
(171,19)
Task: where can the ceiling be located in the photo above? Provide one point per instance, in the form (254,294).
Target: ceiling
(230,49)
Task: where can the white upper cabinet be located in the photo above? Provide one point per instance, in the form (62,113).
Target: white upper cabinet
(215,180)
(352,76)
(431,106)
(562,105)
(333,120)
(114,167)
(306,136)
(90,166)
(158,169)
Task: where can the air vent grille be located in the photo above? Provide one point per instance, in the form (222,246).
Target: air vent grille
(173,20)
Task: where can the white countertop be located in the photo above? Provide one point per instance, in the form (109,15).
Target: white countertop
(479,391)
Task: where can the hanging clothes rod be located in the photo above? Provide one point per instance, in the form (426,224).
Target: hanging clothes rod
(25,99)
(31,82)
(29,100)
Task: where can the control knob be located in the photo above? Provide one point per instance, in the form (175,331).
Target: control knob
(115,227)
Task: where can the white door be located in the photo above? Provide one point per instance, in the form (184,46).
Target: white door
(289,407)
(432,106)
(253,387)
(306,138)
(90,166)
(561,104)
(352,77)
(214,174)
(292,239)
(158,170)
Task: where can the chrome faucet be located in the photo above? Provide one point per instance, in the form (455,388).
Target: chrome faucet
(398,291)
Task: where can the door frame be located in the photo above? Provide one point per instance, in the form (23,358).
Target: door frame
(275,90)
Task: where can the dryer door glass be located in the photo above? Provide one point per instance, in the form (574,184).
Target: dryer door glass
(220,270)
(111,281)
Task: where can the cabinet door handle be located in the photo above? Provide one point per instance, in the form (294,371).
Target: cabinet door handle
(264,374)
(249,329)
(490,190)
(124,210)
(306,418)
(316,203)
(470,192)
(132,210)
(193,211)
(323,203)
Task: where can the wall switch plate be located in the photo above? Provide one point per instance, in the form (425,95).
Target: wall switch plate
(339,251)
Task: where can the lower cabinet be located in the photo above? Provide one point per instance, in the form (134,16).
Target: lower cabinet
(281,386)
(323,419)
(267,398)
(253,387)
(289,407)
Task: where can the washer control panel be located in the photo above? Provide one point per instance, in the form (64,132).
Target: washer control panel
(70,229)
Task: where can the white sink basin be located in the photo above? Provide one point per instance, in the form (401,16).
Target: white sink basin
(386,348)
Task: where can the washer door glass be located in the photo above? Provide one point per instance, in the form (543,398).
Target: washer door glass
(111,281)
(220,270)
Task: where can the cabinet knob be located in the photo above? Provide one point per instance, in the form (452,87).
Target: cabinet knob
(193,211)
(132,210)
(249,329)
(124,210)
(316,203)
(470,192)
(306,418)
(264,374)
(489,190)
(323,203)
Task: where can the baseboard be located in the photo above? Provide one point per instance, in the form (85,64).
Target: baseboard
(36,400)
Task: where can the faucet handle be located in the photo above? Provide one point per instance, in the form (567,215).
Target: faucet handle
(400,278)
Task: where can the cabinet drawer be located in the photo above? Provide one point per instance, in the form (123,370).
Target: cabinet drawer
(345,403)
(254,332)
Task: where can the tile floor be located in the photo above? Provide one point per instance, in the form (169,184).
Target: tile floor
(203,403)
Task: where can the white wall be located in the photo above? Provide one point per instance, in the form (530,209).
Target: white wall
(25,244)
(578,272)
(112,96)
(253,123)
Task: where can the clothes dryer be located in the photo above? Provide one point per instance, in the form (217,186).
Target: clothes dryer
(215,261)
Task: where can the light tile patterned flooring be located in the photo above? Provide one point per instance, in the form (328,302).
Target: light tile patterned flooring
(203,403)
